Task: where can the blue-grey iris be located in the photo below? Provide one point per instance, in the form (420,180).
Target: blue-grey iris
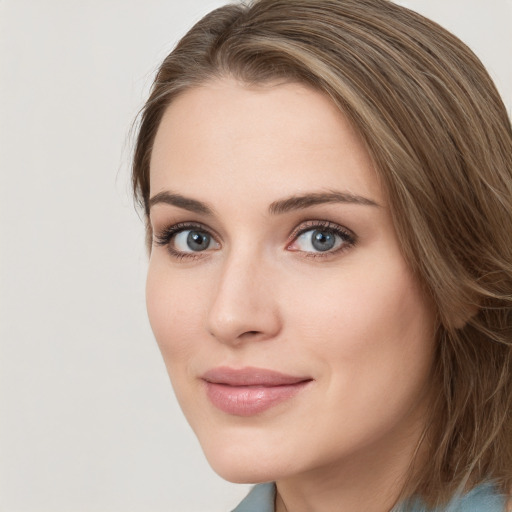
(198,241)
(323,240)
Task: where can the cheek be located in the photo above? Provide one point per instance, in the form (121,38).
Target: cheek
(372,341)
(174,308)
(365,322)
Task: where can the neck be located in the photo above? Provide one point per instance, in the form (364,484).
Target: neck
(371,480)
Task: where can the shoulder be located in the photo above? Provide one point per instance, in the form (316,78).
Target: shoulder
(483,498)
(260,499)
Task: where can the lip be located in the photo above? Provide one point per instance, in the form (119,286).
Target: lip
(249,391)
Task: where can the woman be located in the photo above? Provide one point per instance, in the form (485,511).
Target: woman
(327,187)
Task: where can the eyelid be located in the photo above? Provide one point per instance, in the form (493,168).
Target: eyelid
(321,224)
(164,237)
(350,238)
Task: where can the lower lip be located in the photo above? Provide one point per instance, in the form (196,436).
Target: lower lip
(250,400)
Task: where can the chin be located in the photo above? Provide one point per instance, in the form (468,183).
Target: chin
(246,472)
(243,464)
(244,476)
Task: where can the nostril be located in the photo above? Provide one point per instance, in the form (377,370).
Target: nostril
(250,335)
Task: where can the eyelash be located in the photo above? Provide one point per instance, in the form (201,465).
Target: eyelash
(165,237)
(349,239)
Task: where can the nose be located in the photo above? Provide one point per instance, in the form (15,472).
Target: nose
(244,306)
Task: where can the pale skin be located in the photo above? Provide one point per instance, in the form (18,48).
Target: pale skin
(227,159)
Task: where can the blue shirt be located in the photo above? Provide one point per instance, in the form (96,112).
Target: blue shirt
(483,498)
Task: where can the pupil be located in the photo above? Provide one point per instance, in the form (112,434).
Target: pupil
(198,241)
(323,240)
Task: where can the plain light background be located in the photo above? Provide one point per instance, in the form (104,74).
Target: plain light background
(88,421)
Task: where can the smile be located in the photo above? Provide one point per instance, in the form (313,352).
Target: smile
(250,391)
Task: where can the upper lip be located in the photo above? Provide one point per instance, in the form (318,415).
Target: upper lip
(250,376)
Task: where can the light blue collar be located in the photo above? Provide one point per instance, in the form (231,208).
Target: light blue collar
(483,498)
(260,499)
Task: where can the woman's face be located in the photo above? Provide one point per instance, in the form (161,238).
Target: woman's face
(293,331)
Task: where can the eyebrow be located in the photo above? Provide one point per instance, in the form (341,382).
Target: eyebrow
(186,203)
(312,199)
(296,202)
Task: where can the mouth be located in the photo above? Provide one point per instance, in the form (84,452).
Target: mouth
(250,391)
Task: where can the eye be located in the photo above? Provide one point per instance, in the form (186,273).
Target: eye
(324,238)
(185,240)
(190,240)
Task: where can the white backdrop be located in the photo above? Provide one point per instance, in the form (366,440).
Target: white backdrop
(88,421)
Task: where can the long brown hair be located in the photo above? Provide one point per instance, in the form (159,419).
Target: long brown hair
(441,141)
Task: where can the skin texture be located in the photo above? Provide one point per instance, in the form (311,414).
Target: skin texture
(353,320)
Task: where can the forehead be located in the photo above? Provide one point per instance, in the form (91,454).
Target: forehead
(289,135)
